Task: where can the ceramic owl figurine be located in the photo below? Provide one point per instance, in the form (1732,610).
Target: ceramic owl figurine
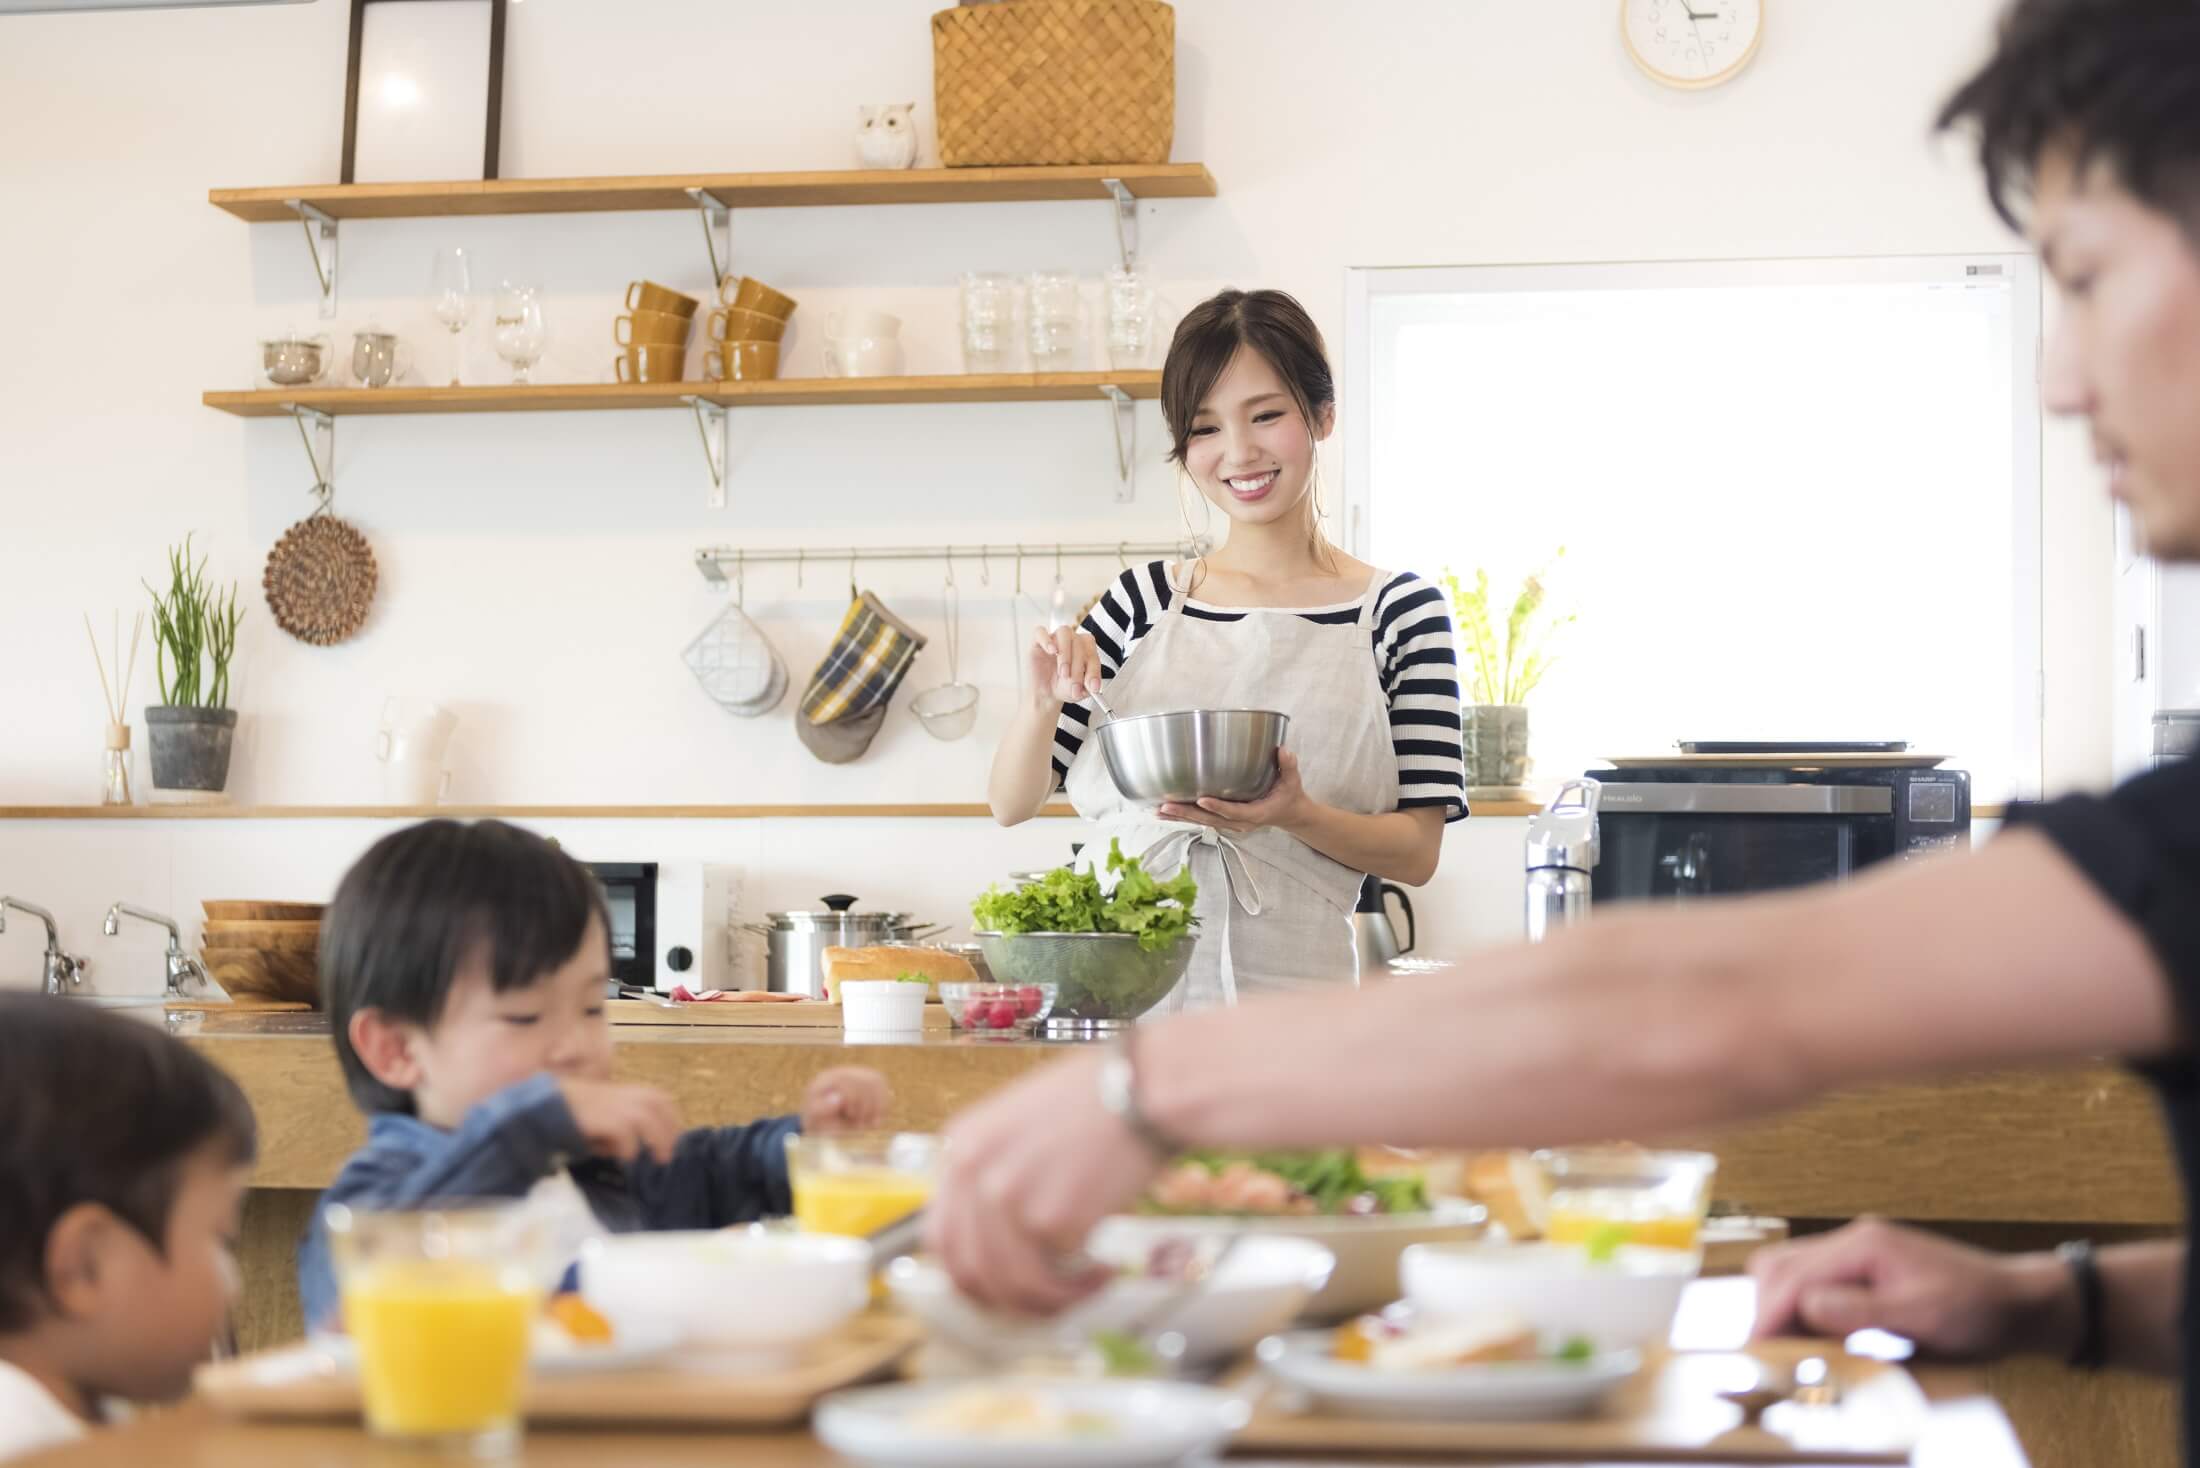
(887,136)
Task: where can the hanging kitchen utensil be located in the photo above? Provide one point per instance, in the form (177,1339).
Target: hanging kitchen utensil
(950,710)
(734,662)
(846,700)
(320,577)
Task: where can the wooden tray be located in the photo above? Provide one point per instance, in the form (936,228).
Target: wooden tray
(807,1013)
(299,1383)
(1671,1411)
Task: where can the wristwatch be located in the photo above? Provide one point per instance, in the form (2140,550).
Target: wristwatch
(1119,1098)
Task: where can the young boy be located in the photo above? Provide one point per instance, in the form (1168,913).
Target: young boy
(464,970)
(122,1169)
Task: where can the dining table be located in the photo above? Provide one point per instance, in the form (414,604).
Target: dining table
(1965,1429)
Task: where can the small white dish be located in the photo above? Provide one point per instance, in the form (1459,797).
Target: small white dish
(1150,1424)
(552,1352)
(1626,1301)
(1499,1391)
(874,1005)
(1259,1288)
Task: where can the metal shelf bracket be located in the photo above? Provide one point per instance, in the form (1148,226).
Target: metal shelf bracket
(717,217)
(321,242)
(1126,221)
(710,422)
(1125,424)
(317,431)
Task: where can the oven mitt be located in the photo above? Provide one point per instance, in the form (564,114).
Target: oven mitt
(845,703)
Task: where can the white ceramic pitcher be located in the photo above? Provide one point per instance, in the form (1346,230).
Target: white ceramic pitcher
(411,743)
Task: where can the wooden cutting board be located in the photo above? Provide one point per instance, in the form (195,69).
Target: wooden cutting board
(798,1013)
(299,1383)
(1670,1411)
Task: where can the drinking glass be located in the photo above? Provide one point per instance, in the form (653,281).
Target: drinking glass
(859,1182)
(988,321)
(519,332)
(1129,298)
(1626,1194)
(1053,317)
(451,299)
(441,1304)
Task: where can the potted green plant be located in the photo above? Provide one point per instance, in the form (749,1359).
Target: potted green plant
(194,637)
(1499,672)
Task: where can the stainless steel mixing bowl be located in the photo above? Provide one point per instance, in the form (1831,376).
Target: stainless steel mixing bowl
(1226,754)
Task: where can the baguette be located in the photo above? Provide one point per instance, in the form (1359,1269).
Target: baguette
(891,961)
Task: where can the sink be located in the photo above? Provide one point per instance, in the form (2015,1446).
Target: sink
(151,1008)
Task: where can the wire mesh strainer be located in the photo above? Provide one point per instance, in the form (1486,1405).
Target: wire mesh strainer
(950,710)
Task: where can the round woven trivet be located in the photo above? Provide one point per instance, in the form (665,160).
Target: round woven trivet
(320,579)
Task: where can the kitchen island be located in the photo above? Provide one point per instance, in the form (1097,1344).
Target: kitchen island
(2013,1159)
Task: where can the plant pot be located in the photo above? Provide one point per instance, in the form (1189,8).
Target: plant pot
(190,747)
(1497,745)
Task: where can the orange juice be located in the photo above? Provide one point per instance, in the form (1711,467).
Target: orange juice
(856,1202)
(442,1345)
(1663,1231)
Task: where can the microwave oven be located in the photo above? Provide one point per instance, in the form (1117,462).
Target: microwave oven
(672,923)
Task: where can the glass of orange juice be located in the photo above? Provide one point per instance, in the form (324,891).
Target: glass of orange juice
(1626,1195)
(859,1182)
(440,1304)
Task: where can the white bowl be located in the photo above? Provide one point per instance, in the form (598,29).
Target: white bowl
(1151,1424)
(1259,1289)
(730,1289)
(881,1004)
(1366,1248)
(1628,1301)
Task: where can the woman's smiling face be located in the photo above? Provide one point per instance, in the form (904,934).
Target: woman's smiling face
(1251,450)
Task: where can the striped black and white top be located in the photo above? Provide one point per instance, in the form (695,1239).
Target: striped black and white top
(1413,654)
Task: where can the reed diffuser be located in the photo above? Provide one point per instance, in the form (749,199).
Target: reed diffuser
(115,767)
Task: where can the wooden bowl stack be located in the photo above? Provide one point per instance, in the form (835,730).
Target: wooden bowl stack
(265,950)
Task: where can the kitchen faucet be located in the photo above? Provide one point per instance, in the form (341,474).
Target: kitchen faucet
(64,971)
(185,974)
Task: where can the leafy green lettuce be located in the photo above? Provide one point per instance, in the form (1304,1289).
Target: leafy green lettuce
(1332,1178)
(1070,901)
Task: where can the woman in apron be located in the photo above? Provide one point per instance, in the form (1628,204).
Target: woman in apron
(1277,618)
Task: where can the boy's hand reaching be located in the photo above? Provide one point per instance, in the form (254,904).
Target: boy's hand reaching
(848,1098)
(624,1121)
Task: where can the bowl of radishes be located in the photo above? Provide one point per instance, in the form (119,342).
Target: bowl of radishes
(997,1009)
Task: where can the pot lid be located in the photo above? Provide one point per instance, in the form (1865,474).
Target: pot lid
(837,914)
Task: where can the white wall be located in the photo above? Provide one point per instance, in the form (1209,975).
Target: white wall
(535,568)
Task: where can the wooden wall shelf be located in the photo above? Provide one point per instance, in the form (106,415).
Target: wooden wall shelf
(552,397)
(731,190)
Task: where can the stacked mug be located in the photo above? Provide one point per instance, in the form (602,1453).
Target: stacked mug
(654,332)
(745,331)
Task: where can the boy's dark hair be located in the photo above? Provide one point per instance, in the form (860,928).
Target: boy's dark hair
(97,1108)
(2114,81)
(426,900)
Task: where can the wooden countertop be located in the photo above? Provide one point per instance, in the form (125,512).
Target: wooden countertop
(2082,1146)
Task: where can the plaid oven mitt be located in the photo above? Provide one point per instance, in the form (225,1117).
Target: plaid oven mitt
(846,700)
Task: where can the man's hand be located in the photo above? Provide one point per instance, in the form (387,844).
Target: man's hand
(623,1121)
(1950,1299)
(848,1098)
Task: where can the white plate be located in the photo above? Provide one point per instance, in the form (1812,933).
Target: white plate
(1156,1423)
(1502,1391)
(552,1353)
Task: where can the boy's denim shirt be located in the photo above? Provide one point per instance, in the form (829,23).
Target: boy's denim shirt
(521,1135)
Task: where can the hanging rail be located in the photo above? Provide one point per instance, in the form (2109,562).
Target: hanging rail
(712,561)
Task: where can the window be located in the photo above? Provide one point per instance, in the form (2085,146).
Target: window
(1798,499)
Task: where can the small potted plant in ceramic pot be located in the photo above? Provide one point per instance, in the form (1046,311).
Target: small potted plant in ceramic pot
(194,637)
(1499,671)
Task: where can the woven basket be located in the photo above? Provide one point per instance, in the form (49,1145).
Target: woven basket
(1055,81)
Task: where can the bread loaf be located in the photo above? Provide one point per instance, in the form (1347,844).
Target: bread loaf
(891,961)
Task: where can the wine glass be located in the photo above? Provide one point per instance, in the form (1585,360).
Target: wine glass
(452,299)
(519,330)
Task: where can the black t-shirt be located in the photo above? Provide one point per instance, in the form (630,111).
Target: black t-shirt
(2140,845)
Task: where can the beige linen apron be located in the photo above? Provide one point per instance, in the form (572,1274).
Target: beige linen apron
(1274,914)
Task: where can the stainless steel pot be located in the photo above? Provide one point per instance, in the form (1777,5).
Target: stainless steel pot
(795,942)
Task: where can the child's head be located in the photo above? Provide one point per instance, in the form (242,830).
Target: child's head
(123,1158)
(1247,392)
(458,959)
